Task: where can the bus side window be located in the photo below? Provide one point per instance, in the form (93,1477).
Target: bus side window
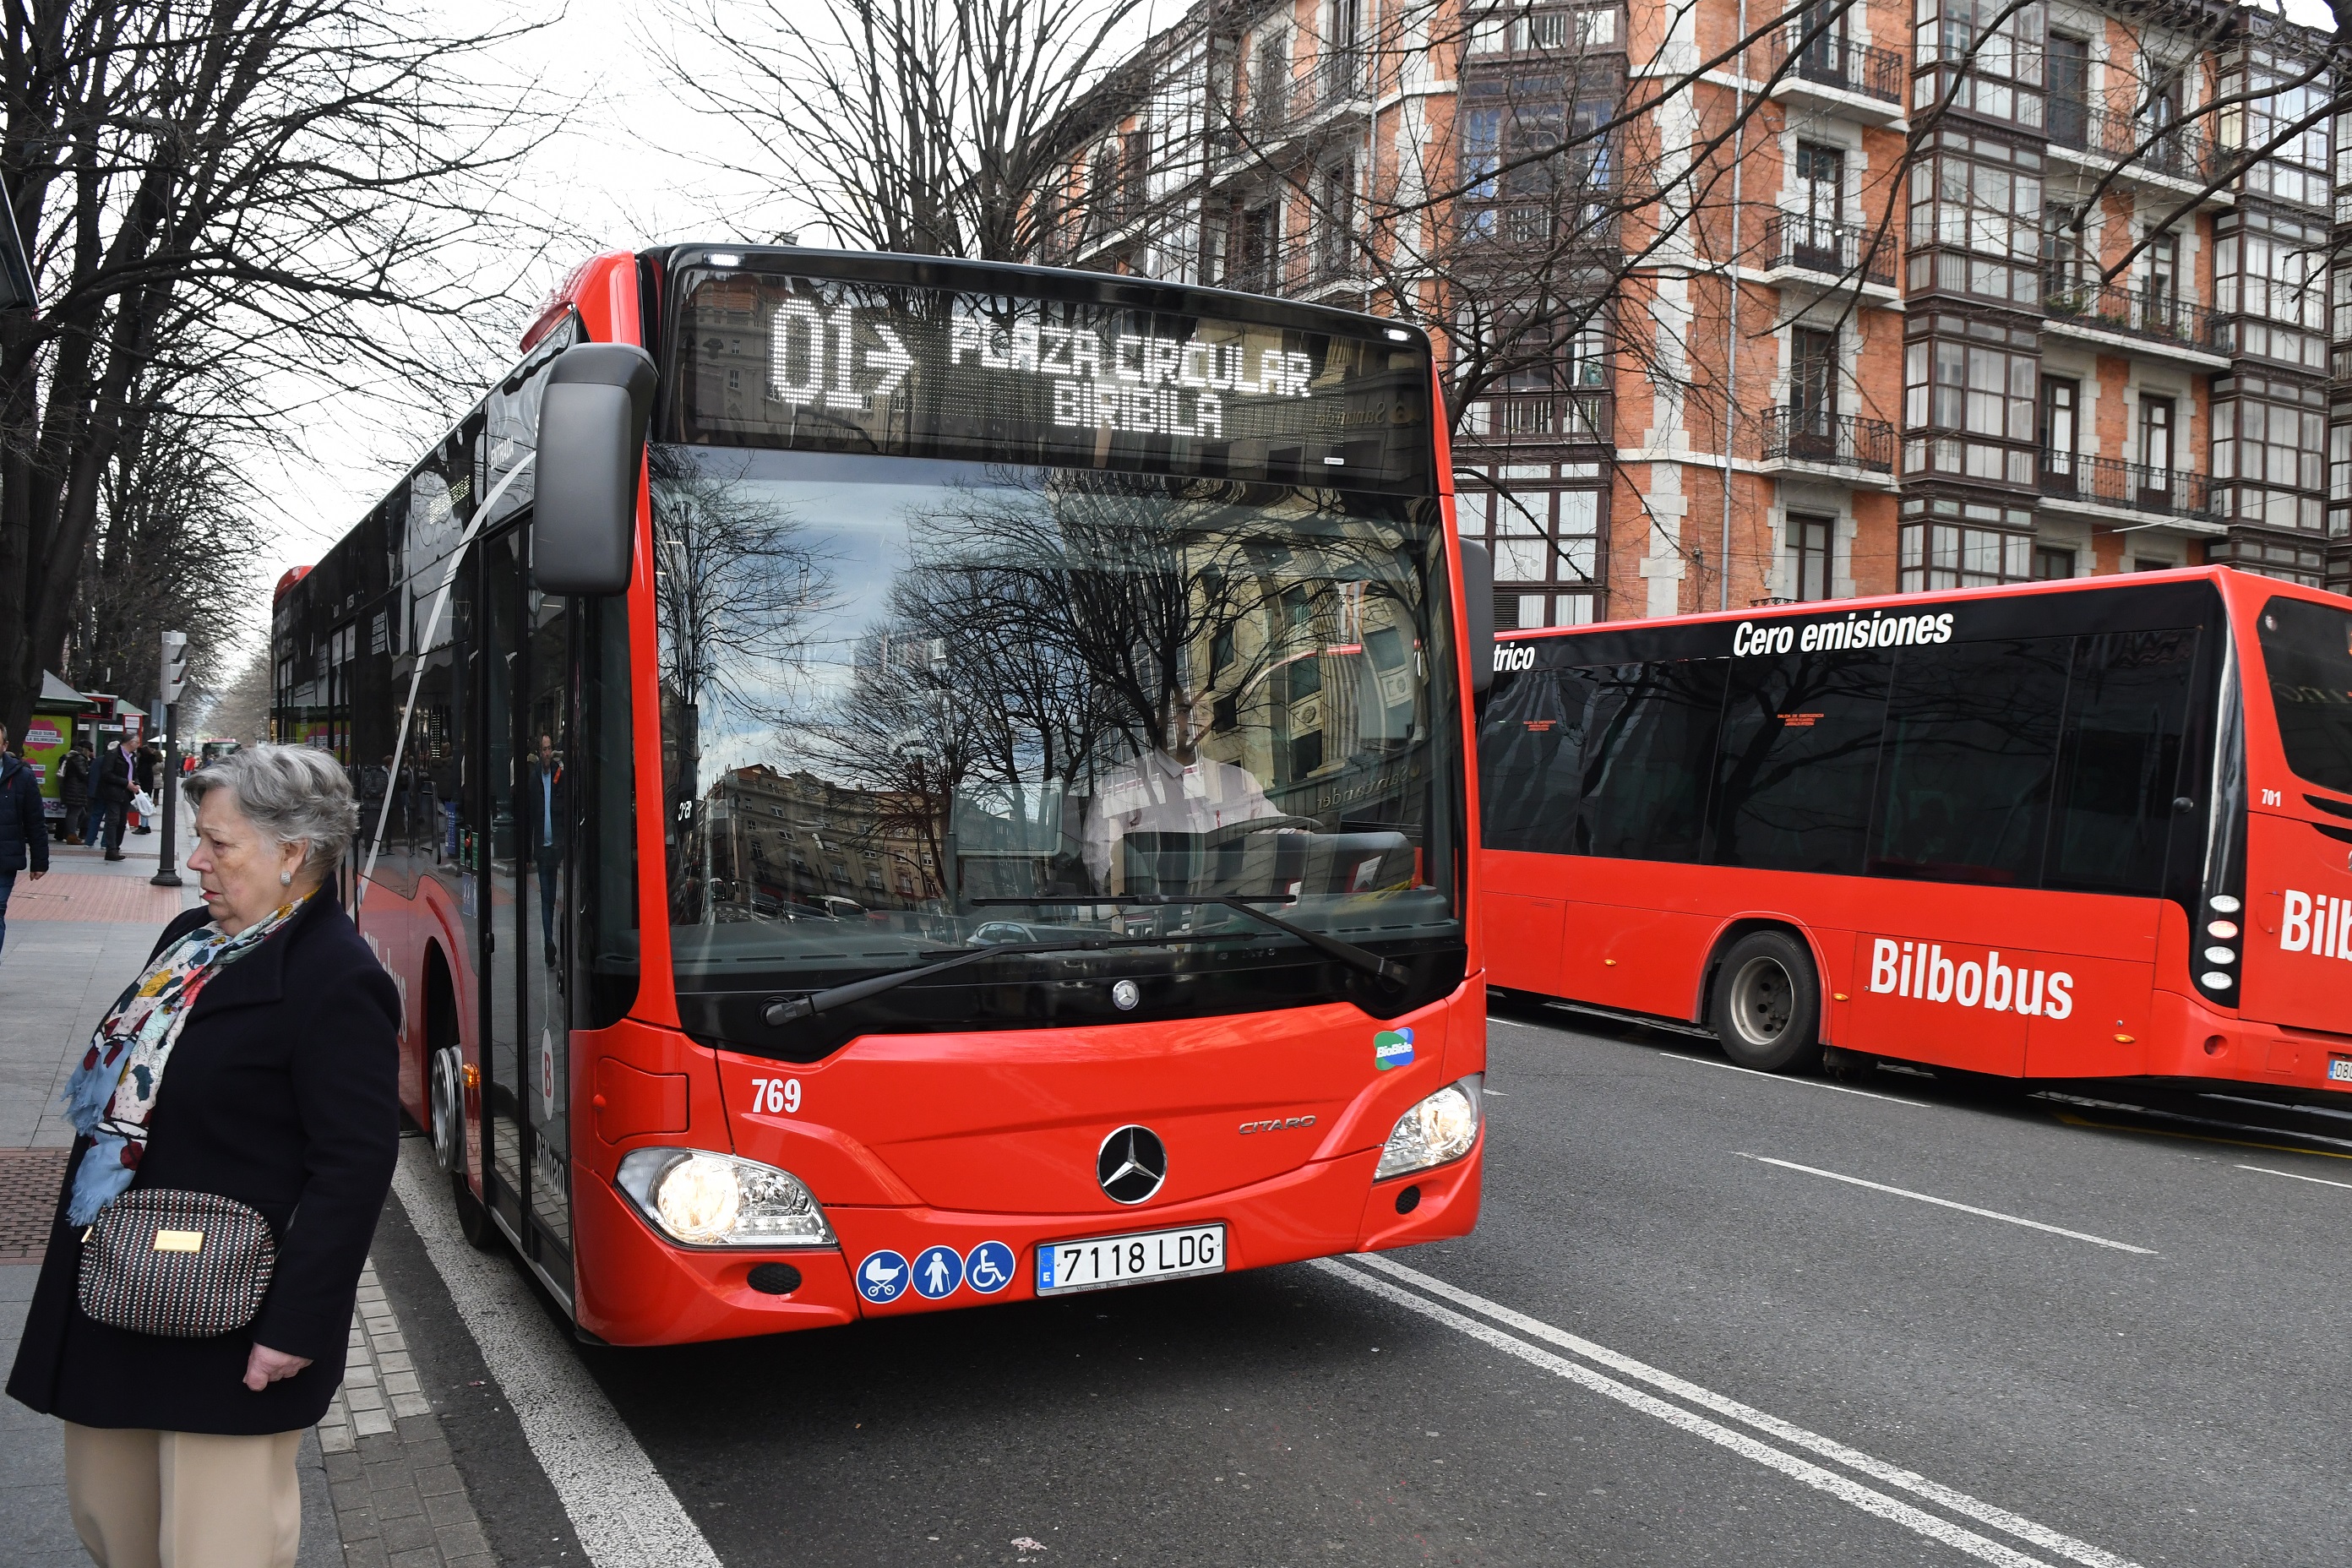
(1531,754)
(2120,764)
(1799,752)
(1648,754)
(1971,743)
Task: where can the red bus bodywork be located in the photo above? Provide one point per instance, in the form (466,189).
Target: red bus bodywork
(1645,937)
(914,1141)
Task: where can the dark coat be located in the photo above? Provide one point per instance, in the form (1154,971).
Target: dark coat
(73,778)
(24,832)
(283,1091)
(115,777)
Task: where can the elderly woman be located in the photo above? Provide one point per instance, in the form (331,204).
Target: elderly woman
(254,1059)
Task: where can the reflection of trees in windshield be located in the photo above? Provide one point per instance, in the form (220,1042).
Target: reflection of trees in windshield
(1051,630)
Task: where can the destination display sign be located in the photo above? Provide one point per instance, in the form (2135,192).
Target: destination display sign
(822,364)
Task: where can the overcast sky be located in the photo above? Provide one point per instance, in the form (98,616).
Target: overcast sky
(623,172)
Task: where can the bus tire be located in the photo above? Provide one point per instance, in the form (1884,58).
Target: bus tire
(1768,1004)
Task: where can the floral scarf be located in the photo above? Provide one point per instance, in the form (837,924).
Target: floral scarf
(112,1093)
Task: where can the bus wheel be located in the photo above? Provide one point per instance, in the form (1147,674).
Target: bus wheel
(449,1107)
(1768,1004)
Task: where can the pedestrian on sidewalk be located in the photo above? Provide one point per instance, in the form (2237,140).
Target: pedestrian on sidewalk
(24,834)
(275,1030)
(73,792)
(151,765)
(117,775)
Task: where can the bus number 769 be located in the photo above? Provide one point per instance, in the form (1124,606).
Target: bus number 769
(776,1094)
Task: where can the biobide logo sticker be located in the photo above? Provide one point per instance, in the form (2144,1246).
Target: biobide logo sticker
(1921,970)
(1392,1048)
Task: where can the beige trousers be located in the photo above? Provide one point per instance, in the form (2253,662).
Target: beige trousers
(143,1498)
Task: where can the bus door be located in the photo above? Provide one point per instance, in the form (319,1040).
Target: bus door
(527,1063)
(504,674)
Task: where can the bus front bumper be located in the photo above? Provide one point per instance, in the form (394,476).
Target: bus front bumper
(646,1290)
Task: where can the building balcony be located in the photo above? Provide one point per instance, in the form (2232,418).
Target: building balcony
(2137,322)
(1845,446)
(2177,159)
(1541,416)
(1835,254)
(1830,73)
(2074,481)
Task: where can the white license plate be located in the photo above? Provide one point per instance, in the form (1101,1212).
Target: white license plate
(1100,1262)
(2339,1069)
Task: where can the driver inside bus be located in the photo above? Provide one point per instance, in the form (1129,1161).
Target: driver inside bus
(1172,791)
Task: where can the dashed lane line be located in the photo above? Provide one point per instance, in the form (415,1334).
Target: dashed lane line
(1949,1204)
(1973,1509)
(1801,1082)
(623,1510)
(2294,1177)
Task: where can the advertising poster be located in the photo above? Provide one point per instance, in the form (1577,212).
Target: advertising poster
(45,740)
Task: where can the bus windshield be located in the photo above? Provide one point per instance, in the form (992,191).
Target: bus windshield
(2307,648)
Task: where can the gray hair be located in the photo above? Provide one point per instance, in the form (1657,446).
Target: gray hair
(294,795)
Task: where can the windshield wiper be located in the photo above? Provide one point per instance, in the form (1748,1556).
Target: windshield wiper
(788,1009)
(1347,953)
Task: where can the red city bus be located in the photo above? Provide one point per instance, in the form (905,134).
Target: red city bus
(2092,829)
(892,785)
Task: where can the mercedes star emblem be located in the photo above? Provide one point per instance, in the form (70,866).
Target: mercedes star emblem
(1132,1164)
(1125,995)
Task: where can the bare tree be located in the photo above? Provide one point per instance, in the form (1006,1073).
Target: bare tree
(213,192)
(919,126)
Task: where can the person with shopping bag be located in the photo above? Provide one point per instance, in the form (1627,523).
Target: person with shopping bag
(117,781)
(237,1113)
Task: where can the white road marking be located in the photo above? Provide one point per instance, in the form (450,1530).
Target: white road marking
(1827,1448)
(1845,1488)
(625,1513)
(1949,1204)
(1800,1082)
(2293,1176)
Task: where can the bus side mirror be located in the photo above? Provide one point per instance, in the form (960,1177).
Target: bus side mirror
(1478,604)
(593,415)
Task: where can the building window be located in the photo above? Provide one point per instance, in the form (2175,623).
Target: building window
(1541,522)
(1980,202)
(1809,540)
(2268,271)
(2051,563)
(1821,183)
(2059,436)
(2155,439)
(2070,91)
(1946,543)
(1813,380)
(2270,438)
(2261,105)
(1996,52)
(1983,389)
(2066,268)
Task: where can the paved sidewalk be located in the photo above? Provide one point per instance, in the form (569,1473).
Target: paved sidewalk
(378,1487)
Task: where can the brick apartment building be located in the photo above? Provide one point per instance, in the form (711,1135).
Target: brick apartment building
(1875,235)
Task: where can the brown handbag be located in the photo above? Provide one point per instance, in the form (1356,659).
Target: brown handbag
(184,1265)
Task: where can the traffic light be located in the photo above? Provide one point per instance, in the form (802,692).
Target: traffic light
(175,665)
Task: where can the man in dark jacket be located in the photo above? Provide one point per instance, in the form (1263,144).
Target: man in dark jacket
(118,774)
(24,836)
(543,828)
(73,791)
(151,767)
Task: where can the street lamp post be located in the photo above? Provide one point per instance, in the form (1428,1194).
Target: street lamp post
(174,679)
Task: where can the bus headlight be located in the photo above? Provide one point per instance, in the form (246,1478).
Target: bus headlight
(1439,1129)
(716,1200)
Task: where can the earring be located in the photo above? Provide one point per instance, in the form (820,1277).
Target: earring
(285,879)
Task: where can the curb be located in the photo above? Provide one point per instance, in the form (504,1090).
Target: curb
(398,1499)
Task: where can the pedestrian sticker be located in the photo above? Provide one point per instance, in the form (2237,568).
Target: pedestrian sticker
(989,1267)
(882,1277)
(938,1271)
(1392,1048)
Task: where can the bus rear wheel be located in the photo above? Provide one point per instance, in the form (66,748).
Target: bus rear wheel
(1768,1004)
(447,1102)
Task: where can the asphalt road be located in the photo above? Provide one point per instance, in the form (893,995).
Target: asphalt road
(1708,1317)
